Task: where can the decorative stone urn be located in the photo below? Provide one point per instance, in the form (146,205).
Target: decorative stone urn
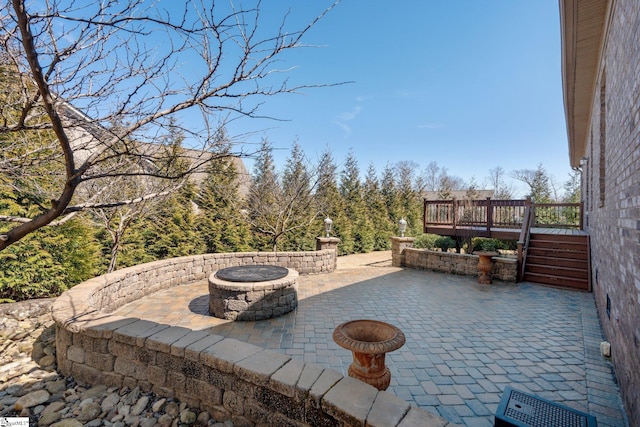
(485,265)
(369,341)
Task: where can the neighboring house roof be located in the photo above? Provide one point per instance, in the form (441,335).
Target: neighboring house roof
(583,26)
(87,135)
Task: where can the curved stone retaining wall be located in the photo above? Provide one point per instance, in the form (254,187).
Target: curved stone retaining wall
(224,376)
(111,291)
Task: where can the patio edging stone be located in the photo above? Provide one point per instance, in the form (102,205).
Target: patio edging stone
(224,376)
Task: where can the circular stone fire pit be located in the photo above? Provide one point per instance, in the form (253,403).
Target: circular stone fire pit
(252,292)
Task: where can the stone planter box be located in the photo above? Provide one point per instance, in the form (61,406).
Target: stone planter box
(504,269)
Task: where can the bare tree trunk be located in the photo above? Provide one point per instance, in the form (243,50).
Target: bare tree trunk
(115,247)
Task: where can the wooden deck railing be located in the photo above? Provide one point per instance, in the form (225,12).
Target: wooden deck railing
(490,214)
(558,215)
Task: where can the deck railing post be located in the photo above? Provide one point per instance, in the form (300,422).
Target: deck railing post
(581,215)
(529,204)
(455,213)
(489,215)
(424,215)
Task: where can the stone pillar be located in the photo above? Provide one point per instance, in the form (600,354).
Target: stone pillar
(323,243)
(398,245)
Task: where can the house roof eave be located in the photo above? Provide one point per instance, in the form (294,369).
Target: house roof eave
(582,24)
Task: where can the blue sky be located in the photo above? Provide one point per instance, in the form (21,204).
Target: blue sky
(468,84)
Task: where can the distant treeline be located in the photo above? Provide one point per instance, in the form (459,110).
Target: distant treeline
(283,210)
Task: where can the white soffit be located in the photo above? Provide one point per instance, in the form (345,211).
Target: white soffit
(582,29)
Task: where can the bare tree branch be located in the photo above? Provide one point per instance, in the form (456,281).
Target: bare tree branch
(91,92)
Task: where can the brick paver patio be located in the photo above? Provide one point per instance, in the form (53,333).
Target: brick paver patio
(465,341)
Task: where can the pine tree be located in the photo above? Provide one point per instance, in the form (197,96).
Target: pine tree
(410,202)
(48,262)
(165,208)
(330,202)
(389,190)
(361,237)
(172,232)
(377,209)
(219,221)
(538,182)
(299,206)
(572,188)
(263,204)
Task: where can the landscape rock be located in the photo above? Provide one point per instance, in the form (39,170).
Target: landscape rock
(69,422)
(165,420)
(149,422)
(110,402)
(133,396)
(48,419)
(188,417)
(172,409)
(31,387)
(89,412)
(53,407)
(96,391)
(124,410)
(140,406)
(31,399)
(57,386)
(157,406)
(132,420)
(203,418)
(47,360)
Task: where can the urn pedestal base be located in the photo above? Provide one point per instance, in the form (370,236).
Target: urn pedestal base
(485,265)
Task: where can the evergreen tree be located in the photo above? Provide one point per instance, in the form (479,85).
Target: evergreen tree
(409,199)
(48,262)
(330,202)
(263,204)
(472,192)
(538,181)
(171,231)
(572,195)
(299,205)
(389,190)
(362,236)
(219,221)
(374,200)
(572,188)
(128,186)
(104,63)
(51,260)
(131,248)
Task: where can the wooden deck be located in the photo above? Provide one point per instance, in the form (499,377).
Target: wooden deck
(462,231)
(559,231)
(500,219)
(498,232)
(553,247)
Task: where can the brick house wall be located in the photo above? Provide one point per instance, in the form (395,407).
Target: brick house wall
(611,192)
